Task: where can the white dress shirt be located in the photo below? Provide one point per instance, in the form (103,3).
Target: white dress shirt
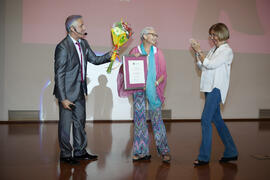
(78,51)
(216,69)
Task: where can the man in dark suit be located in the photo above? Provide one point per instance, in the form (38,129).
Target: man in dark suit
(71,57)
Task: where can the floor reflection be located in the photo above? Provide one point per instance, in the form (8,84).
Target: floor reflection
(75,172)
(100,141)
(128,149)
(264,126)
(229,171)
(140,170)
(21,129)
(149,170)
(163,171)
(203,172)
(34,154)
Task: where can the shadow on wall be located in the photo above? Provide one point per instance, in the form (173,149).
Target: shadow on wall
(100,101)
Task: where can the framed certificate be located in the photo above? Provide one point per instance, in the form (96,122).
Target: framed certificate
(135,72)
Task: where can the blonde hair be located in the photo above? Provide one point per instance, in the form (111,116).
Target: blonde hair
(221,31)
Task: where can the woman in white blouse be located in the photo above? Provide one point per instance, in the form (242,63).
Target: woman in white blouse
(215,78)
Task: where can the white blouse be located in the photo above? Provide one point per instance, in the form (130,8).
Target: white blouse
(216,69)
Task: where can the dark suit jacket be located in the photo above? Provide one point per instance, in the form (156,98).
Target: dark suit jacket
(67,68)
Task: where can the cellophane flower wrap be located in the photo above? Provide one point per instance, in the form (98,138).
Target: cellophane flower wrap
(121,32)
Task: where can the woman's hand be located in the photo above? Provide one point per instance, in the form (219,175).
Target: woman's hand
(195,45)
(160,80)
(137,54)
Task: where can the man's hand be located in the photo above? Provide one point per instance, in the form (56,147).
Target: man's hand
(67,104)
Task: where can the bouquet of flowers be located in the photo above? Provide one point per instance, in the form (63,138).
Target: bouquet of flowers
(121,32)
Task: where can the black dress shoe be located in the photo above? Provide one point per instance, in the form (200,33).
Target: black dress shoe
(227,159)
(197,163)
(69,160)
(86,156)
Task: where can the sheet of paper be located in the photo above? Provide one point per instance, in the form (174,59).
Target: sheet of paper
(136,72)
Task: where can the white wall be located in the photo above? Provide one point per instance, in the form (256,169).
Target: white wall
(2,56)
(25,69)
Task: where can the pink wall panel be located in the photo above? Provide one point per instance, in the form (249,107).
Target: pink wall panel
(176,21)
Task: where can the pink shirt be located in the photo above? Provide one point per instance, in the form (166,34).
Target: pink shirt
(160,70)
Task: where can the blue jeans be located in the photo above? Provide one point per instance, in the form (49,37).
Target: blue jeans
(211,113)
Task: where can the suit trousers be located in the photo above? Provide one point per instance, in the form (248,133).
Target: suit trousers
(77,119)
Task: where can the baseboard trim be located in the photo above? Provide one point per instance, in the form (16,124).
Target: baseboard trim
(130,121)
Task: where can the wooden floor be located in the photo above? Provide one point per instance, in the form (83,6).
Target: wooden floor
(30,151)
